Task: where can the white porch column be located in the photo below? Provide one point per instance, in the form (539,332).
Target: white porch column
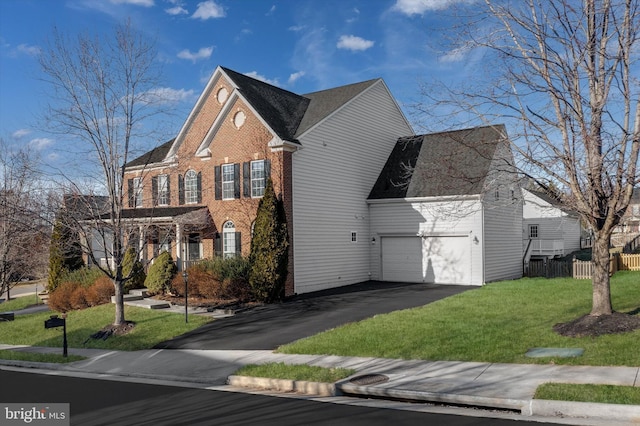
(142,255)
(179,246)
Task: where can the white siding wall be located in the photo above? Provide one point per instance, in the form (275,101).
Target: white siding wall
(332,176)
(502,222)
(436,218)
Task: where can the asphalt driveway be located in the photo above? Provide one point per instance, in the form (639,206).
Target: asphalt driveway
(270,326)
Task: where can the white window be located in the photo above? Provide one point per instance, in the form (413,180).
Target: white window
(191,187)
(229,239)
(228,183)
(137,192)
(354,237)
(533,231)
(258,178)
(163,190)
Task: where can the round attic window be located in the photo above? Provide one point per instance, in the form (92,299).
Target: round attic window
(239,119)
(222,95)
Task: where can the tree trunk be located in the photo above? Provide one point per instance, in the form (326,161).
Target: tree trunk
(600,278)
(119,318)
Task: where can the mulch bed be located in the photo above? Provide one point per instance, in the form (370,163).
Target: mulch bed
(592,326)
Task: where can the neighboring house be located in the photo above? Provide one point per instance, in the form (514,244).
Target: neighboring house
(548,230)
(630,222)
(447,208)
(197,195)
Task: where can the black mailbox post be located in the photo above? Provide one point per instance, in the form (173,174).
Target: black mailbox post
(54,322)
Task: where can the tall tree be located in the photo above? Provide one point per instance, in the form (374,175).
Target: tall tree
(563,76)
(102,93)
(23,227)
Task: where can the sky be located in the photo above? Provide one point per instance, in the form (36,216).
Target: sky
(298,45)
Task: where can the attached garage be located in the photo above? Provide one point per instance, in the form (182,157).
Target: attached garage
(442,259)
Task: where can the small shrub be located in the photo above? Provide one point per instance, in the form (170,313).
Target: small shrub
(78,298)
(236,288)
(195,277)
(160,273)
(100,292)
(84,276)
(132,265)
(60,298)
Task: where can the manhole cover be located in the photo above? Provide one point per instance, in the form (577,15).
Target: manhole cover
(369,379)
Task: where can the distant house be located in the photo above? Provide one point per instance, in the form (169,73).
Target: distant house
(630,222)
(548,230)
(447,208)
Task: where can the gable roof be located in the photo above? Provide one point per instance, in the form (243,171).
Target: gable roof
(156,155)
(281,109)
(323,103)
(440,164)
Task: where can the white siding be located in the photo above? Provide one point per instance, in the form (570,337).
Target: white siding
(397,218)
(333,174)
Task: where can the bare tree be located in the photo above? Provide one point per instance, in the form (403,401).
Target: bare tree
(563,76)
(102,93)
(24,230)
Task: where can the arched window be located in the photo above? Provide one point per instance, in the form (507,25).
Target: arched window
(229,239)
(191,187)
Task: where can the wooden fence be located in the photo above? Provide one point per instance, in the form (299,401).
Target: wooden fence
(619,262)
(548,268)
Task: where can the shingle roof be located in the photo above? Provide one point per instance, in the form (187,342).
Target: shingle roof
(281,109)
(156,155)
(439,164)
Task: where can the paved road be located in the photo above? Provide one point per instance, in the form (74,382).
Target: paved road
(270,326)
(105,402)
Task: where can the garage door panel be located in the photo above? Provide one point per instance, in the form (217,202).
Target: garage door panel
(433,259)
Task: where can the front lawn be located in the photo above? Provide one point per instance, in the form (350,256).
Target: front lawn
(151,327)
(498,322)
(604,394)
(309,373)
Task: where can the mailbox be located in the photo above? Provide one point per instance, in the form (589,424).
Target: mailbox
(54,321)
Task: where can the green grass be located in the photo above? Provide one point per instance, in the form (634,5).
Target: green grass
(152,327)
(498,322)
(307,373)
(605,394)
(38,357)
(17,303)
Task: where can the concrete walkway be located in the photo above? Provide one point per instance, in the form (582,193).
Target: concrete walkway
(487,385)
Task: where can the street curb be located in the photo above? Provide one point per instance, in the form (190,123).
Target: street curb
(587,410)
(284,385)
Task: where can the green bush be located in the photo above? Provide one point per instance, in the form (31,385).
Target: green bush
(85,277)
(160,274)
(269,249)
(226,268)
(131,265)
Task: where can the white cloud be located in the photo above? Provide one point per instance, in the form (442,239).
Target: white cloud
(271,11)
(20,133)
(28,50)
(203,53)
(455,55)
(167,95)
(144,3)
(296,28)
(295,76)
(177,10)
(254,74)
(40,143)
(351,42)
(419,7)
(207,10)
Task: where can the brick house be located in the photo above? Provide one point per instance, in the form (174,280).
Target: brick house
(197,194)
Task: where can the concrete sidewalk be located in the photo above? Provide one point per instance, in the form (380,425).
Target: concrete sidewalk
(476,384)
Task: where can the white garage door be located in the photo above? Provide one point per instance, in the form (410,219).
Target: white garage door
(441,259)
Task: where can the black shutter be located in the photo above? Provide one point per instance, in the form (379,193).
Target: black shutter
(238,236)
(180,189)
(218,182)
(130,192)
(217,244)
(199,187)
(267,171)
(154,190)
(246,179)
(236,180)
(168,191)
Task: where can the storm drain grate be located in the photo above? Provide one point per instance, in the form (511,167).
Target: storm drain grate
(369,379)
